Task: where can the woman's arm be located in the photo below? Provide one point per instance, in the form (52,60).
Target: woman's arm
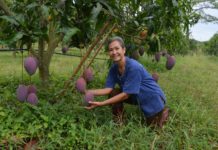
(100,92)
(115,99)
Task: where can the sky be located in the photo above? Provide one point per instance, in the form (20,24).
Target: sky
(204,31)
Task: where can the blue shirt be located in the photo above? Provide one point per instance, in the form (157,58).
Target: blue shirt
(140,84)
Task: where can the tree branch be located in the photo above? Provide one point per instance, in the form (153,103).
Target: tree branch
(5,8)
(204,7)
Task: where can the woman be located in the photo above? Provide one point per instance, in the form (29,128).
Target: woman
(136,87)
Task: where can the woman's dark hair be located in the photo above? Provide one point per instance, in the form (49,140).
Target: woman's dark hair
(116,38)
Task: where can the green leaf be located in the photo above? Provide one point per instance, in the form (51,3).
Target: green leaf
(32,5)
(110,9)
(175,3)
(14,38)
(20,19)
(69,32)
(10,19)
(45,11)
(2,114)
(95,11)
(45,118)
(136,23)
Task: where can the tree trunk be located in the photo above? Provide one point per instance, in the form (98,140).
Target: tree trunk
(46,56)
(5,8)
(43,65)
(44,72)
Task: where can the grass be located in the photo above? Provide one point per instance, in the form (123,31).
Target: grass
(190,87)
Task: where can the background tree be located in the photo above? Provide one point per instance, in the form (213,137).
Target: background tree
(211,47)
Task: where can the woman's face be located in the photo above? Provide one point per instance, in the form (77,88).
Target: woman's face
(116,52)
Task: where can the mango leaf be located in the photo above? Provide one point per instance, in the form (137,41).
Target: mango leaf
(136,23)
(14,38)
(110,9)
(10,19)
(175,3)
(2,113)
(45,10)
(32,5)
(20,19)
(68,33)
(45,118)
(95,11)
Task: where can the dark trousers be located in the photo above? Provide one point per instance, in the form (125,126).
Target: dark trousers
(117,109)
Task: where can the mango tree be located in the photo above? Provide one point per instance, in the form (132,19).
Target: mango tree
(47,24)
(211,47)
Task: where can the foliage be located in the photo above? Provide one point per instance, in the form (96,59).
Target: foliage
(166,23)
(49,23)
(193,45)
(76,23)
(212,46)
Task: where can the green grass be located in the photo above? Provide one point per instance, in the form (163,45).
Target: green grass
(190,87)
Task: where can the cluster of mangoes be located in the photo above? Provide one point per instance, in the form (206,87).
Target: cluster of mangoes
(28,93)
(136,49)
(170,62)
(81,84)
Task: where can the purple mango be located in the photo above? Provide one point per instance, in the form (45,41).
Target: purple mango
(32,89)
(141,50)
(157,56)
(88,74)
(32,99)
(88,97)
(171,60)
(64,50)
(30,65)
(81,85)
(22,92)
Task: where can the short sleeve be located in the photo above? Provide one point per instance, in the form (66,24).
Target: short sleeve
(111,81)
(133,82)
